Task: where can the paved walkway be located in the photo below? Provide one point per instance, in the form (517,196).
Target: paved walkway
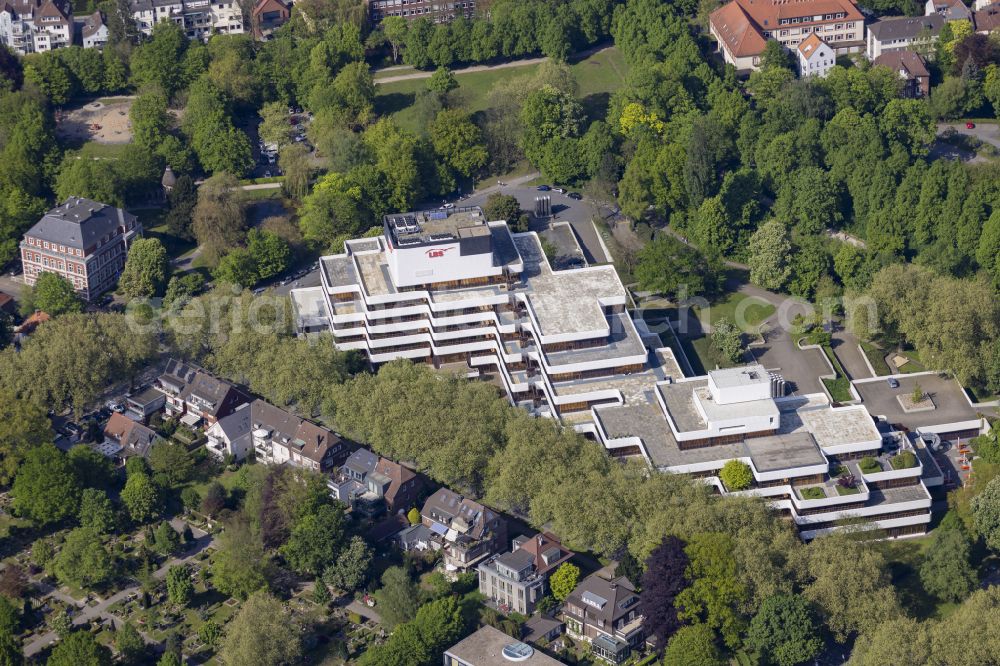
(202,541)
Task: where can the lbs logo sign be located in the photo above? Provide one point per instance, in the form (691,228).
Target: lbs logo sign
(439,252)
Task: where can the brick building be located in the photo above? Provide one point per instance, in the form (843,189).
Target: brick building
(84,241)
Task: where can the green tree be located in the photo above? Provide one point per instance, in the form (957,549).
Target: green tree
(238,268)
(83,560)
(315,541)
(156,61)
(295,163)
(728,340)
(669,267)
(986,513)
(398,598)
(413,516)
(898,641)
(79,648)
(274,127)
(809,201)
(52,294)
(443,81)
(350,570)
(130,644)
(180,589)
(945,571)
(502,207)
(563,580)
(321,593)
(271,253)
(23,425)
(171,460)
(395,29)
(46,489)
(165,539)
(769,252)
(183,199)
(548,113)
(96,511)
(693,645)
(150,119)
(146,269)
(736,475)
(716,592)
(210,634)
(241,565)
(219,218)
(458,142)
(784,631)
(142,498)
(261,633)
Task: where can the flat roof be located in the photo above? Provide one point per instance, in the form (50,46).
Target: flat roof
(309,303)
(734,410)
(339,270)
(679,399)
(431,226)
(623,341)
(830,426)
(748,375)
(485,648)
(776,452)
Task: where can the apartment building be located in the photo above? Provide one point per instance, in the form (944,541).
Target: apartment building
(84,241)
(36,26)
(817,464)
(267,16)
(371,485)
(124,438)
(912,70)
(604,611)
(907,33)
(200,19)
(464,294)
(275,437)
(516,581)
(196,397)
(951,10)
(93,31)
(814,57)
(465,531)
(742,27)
(434,10)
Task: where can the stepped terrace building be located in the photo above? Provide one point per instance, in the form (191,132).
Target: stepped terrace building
(463,293)
(819,465)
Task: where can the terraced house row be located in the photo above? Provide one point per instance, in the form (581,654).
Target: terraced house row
(465,294)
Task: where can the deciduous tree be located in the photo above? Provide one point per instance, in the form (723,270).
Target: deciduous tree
(783,630)
(261,633)
(83,560)
(46,489)
(146,269)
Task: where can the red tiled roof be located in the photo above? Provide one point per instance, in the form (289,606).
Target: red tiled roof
(809,45)
(741,23)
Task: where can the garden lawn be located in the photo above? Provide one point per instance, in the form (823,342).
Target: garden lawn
(597,77)
(154,226)
(876,357)
(8,521)
(107,151)
(753,314)
(914,365)
(812,493)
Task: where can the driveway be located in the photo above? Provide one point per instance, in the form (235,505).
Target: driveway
(985,132)
(800,367)
(202,541)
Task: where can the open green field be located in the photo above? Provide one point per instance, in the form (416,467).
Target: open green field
(597,76)
(752,311)
(107,151)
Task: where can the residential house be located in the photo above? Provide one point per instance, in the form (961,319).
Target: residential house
(516,581)
(28,326)
(370,484)
(815,57)
(492,647)
(267,16)
(93,31)
(415,538)
(197,397)
(907,33)
(200,19)
(542,629)
(438,12)
(124,438)
(987,19)
(7,304)
(742,27)
(605,613)
(951,10)
(34,26)
(84,241)
(464,530)
(911,68)
(275,437)
(141,406)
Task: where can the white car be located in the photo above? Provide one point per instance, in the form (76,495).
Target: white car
(447,206)
(559,190)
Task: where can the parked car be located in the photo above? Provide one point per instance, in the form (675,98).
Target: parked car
(970,125)
(447,206)
(893,382)
(576,196)
(543,188)
(560,190)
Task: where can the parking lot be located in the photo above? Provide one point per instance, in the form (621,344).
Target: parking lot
(949,399)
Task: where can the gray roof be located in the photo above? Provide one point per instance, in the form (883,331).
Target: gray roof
(618,596)
(362,461)
(517,560)
(906,27)
(79,223)
(485,648)
(909,61)
(237,424)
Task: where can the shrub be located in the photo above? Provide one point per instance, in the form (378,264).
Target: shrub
(736,475)
(847,480)
(869,465)
(812,493)
(904,460)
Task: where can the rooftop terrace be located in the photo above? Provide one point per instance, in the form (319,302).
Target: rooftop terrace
(432,226)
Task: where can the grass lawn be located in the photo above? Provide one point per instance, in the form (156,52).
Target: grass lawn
(706,353)
(839,388)
(154,227)
(904,558)
(841,490)
(106,151)
(8,521)
(752,311)
(876,357)
(812,493)
(914,365)
(597,76)
(870,466)
(269,193)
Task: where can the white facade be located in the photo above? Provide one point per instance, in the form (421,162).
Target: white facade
(815,58)
(200,19)
(33,27)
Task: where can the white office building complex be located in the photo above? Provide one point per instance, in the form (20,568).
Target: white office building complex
(456,290)
(465,294)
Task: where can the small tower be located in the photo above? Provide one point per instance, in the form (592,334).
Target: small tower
(168,181)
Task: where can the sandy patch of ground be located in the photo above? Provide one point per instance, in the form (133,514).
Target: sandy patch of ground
(103,120)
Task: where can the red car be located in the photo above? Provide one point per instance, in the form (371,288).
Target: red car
(970,125)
